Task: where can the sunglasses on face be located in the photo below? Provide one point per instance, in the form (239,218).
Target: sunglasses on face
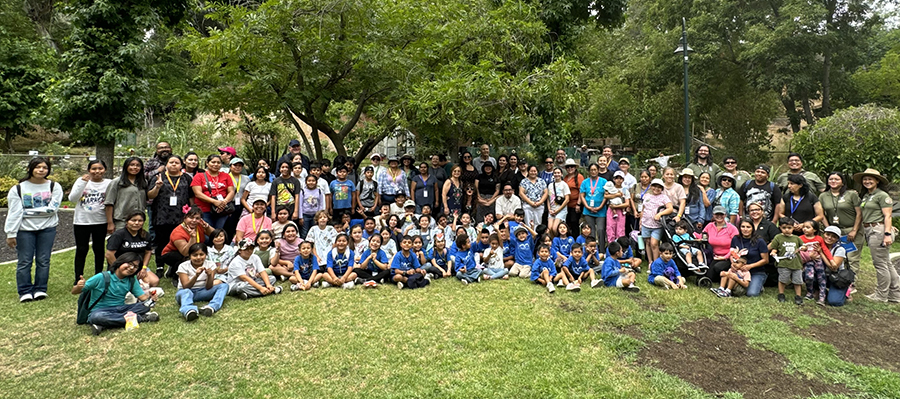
(730,162)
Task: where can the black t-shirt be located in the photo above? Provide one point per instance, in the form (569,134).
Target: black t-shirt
(802,210)
(768,195)
(608,175)
(122,241)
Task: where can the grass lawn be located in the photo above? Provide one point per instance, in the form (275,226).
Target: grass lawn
(505,338)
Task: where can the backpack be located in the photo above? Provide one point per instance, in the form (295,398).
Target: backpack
(85,304)
(19,188)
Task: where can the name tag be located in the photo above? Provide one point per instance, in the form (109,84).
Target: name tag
(173,201)
(219,197)
(425,193)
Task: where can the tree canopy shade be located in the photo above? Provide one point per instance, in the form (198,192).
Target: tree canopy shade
(444,65)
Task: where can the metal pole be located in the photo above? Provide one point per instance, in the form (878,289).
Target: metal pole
(687,113)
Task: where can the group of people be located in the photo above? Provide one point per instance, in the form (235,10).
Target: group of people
(226,230)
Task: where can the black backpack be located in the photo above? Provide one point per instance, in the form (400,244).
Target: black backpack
(85,304)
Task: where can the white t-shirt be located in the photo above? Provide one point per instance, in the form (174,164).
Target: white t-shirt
(89,198)
(496,261)
(257,192)
(323,241)
(244,267)
(561,191)
(188,269)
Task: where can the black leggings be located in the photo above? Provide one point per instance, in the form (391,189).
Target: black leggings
(383,276)
(84,234)
(437,272)
(573,221)
(163,233)
(172,259)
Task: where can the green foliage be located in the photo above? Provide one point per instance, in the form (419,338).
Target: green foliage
(6,183)
(879,82)
(67,177)
(263,138)
(202,135)
(852,140)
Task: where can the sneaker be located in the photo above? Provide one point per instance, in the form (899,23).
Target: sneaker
(874,298)
(278,289)
(715,290)
(692,267)
(465,282)
(207,311)
(348,285)
(637,270)
(325,284)
(95,329)
(151,317)
(370,284)
(632,288)
(282,278)
(821,302)
(781,298)
(723,293)
(429,276)
(26,298)
(560,283)
(798,300)
(40,295)
(317,284)
(358,281)
(159,272)
(809,296)
(574,288)
(400,285)
(852,289)
(295,287)
(550,288)
(243,296)
(191,315)
(479,279)
(505,277)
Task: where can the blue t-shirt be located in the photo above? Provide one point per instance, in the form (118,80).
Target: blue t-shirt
(581,239)
(402,263)
(576,266)
(339,262)
(366,234)
(562,246)
(610,271)
(463,259)
(379,256)
(626,253)
(440,257)
(539,265)
(593,194)
(342,194)
(524,252)
(658,267)
(508,249)
(478,247)
(306,266)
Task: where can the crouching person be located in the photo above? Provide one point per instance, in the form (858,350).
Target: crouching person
(104,296)
(246,275)
(196,279)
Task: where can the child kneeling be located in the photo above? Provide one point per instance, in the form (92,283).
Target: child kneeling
(663,271)
(246,275)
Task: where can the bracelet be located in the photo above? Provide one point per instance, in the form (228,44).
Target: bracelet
(887,234)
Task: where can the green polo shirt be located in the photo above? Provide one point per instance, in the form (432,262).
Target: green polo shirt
(872,204)
(843,206)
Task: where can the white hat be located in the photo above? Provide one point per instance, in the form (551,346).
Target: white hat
(619,173)
(833,230)
(657,182)
(570,162)
(409,203)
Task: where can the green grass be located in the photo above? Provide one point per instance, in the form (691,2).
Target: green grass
(508,339)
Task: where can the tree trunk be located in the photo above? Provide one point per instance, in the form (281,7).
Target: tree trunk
(790,109)
(290,116)
(337,141)
(826,84)
(106,153)
(807,109)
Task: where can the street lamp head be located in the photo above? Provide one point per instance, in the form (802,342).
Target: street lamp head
(680,49)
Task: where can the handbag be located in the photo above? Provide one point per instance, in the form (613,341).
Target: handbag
(229,206)
(558,200)
(840,278)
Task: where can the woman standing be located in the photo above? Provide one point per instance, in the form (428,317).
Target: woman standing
(488,188)
(89,223)
(703,181)
(593,203)
(876,223)
(126,194)
(558,202)
(192,164)
(755,250)
(31,227)
(452,192)
(727,197)
(406,164)
(213,191)
(170,194)
(842,209)
(469,173)
(392,182)
(508,176)
(533,192)
(695,211)
(675,192)
(573,211)
(424,188)
(800,203)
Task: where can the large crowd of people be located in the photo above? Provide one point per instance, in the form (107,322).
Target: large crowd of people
(229,228)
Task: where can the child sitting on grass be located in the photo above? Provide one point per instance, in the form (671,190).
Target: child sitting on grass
(663,271)
(373,266)
(339,266)
(492,260)
(246,275)
(306,269)
(614,275)
(592,255)
(733,276)
(543,271)
(195,283)
(439,263)
(784,248)
(577,270)
(464,261)
(405,265)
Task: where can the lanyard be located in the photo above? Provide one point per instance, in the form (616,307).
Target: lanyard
(593,184)
(253,219)
(175,185)
(198,231)
(237,183)
(644,192)
(795,204)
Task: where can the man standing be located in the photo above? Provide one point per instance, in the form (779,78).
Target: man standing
(559,160)
(703,163)
(624,166)
(795,166)
(294,149)
(763,192)
(484,158)
(740,176)
(547,174)
(583,155)
(157,164)
(613,166)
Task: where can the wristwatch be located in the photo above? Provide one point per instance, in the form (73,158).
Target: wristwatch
(887,233)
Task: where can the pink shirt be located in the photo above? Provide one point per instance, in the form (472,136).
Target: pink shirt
(651,205)
(251,226)
(720,239)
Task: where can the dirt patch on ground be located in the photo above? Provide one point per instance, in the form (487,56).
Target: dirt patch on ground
(868,339)
(712,356)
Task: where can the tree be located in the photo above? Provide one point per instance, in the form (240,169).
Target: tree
(101,92)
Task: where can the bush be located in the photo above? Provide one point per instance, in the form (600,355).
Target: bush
(66,178)
(852,140)
(6,183)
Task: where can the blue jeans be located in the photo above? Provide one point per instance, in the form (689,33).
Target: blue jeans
(33,246)
(308,222)
(496,273)
(836,296)
(114,317)
(214,220)
(756,283)
(470,275)
(185,297)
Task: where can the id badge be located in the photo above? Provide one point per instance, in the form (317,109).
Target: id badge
(173,201)
(237,201)
(592,203)
(834,220)
(219,197)
(425,193)
(687,211)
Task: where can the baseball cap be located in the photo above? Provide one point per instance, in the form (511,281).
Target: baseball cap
(619,173)
(294,142)
(229,150)
(657,182)
(833,230)
(236,160)
(719,209)
(763,167)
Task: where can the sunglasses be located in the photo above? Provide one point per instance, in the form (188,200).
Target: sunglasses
(548,162)
(730,162)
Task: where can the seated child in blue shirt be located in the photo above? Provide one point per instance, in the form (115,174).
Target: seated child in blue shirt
(689,252)
(577,270)
(613,274)
(543,271)
(464,261)
(306,268)
(406,268)
(663,271)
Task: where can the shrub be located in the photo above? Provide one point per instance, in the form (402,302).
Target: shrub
(852,140)
(6,183)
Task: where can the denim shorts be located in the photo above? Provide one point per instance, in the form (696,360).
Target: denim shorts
(648,232)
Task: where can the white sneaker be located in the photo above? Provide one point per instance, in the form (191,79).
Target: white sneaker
(465,282)
(560,283)
(479,279)
(40,295)
(26,298)
(550,288)
(278,289)
(692,266)
(570,286)
(295,287)
(326,284)
(595,283)
(632,288)
(429,276)
(400,285)
(159,292)
(348,285)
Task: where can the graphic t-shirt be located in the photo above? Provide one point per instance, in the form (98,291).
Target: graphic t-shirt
(122,241)
(342,194)
(239,266)
(284,190)
(89,198)
(786,248)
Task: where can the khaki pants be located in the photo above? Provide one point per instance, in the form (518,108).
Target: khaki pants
(518,270)
(888,287)
(853,257)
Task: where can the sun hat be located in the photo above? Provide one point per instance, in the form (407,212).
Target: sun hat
(375,155)
(624,160)
(657,182)
(687,172)
(871,173)
(570,162)
(725,175)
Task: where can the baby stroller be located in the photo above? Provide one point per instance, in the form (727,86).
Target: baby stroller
(668,223)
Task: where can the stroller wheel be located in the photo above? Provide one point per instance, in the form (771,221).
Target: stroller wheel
(704,282)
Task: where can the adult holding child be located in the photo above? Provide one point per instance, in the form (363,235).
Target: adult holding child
(31,227)
(89,223)
(754,250)
(842,210)
(876,208)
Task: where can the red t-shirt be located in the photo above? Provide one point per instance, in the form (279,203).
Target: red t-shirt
(819,240)
(219,185)
(181,234)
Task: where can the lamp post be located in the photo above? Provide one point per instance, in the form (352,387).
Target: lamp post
(684,49)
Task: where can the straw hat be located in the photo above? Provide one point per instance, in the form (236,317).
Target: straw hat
(687,172)
(571,162)
(871,173)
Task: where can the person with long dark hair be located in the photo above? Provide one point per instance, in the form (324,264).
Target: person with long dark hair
(191,231)
(31,227)
(800,203)
(213,190)
(488,189)
(171,192)
(192,163)
(754,249)
(876,221)
(133,238)
(126,194)
(842,209)
(89,223)
(110,309)
(694,211)
(468,173)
